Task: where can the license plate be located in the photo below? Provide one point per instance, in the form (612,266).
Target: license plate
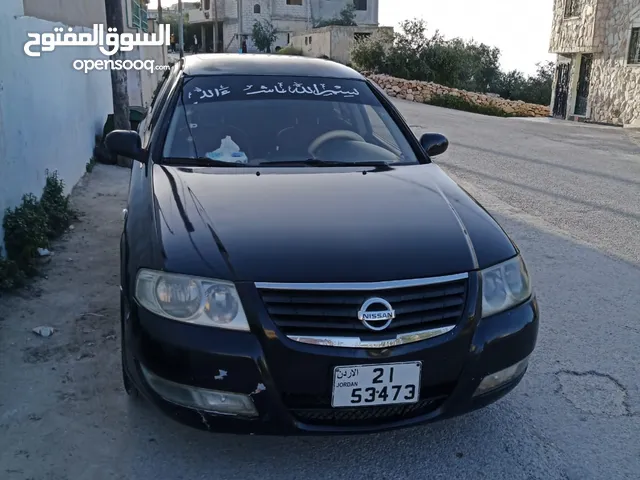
(368,385)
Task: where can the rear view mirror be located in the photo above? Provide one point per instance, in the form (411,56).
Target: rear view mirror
(434,143)
(126,143)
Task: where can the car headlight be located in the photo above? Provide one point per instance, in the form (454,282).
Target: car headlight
(200,301)
(504,286)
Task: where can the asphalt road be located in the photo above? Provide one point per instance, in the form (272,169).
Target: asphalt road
(570,197)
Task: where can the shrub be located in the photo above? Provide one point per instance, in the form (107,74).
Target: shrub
(25,230)
(30,226)
(56,206)
(10,274)
(460,103)
(288,50)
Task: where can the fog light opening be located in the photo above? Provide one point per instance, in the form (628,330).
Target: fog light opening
(211,401)
(500,378)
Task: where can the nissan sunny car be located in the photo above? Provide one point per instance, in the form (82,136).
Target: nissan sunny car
(293,262)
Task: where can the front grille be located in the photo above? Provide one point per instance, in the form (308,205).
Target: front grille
(317,409)
(365,415)
(330,312)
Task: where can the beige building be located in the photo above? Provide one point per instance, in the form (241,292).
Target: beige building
(598,68)
(235,18)
(333,41)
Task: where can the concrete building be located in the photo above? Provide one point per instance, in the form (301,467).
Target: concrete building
(235,18)
(141,83)
(333,41)
(50,112)
(598,68)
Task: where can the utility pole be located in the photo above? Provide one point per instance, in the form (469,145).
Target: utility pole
(119,90)
(215,26)
(180,28)
(164,47)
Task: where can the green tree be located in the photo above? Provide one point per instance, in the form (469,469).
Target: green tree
(264,34)
(413,54)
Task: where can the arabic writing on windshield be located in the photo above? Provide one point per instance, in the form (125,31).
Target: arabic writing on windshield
(221,91)
(298,88)
(198,94)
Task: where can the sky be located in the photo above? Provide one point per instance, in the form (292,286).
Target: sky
(520,28)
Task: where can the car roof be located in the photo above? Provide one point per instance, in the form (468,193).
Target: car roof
(266,64)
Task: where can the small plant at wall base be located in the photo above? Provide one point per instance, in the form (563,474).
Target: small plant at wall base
(25,230)
(56,206)
(29,227)
(264,34)
(10,274)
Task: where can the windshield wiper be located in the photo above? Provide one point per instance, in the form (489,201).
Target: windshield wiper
(201,162)
(314,162)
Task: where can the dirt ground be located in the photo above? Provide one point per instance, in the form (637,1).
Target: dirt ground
(66,377)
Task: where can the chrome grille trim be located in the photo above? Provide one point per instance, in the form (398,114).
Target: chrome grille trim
(372,286)
(357,342)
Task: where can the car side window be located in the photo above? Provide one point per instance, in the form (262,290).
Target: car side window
(158,101)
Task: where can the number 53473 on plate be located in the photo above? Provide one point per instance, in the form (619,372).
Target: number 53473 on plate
(369,385)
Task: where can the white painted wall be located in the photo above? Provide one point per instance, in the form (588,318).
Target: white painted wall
(49,112)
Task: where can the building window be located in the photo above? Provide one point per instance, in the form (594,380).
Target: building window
(256,8)
(360,4)
(294,2)
(634,46)
(139,15)
(573,8)
(206,5)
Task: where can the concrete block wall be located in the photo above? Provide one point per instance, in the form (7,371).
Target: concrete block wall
(49,112)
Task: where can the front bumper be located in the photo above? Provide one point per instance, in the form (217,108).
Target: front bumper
(290,383)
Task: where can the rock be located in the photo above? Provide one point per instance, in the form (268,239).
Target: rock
(417,91)
(44,331)
(43,252)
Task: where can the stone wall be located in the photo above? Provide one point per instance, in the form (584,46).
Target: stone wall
(417,91)
(577,34)
(614,94)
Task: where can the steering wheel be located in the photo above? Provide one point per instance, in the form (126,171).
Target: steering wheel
(333,135)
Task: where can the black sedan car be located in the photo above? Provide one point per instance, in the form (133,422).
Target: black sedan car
(293,262)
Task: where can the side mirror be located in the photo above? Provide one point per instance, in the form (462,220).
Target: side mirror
(434,144)
(126,143)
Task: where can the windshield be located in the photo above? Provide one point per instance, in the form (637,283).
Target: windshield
(258,120)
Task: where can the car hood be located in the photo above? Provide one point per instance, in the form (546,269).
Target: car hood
(320,225)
